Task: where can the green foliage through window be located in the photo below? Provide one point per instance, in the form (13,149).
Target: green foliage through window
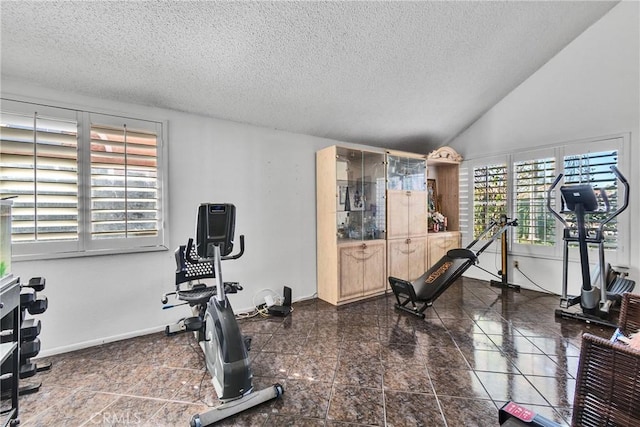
(489,195)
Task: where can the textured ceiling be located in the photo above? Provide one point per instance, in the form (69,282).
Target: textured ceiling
(405,75)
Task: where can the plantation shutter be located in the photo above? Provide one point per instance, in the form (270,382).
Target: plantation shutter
(489,195)
(594,168)
(124,176)
(39,169)
(536,225)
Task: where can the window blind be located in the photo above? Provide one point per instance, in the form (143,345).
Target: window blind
(489,195)
(82,182)
(532,179)
(39,168)
(124,178)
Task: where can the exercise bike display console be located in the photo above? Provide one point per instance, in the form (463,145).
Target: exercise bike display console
(214,322)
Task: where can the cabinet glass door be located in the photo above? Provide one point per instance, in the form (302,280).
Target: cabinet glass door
(360,195)
(373,220)
(406,173)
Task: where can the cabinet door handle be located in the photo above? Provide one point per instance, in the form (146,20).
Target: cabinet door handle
(364,246)
(408,241)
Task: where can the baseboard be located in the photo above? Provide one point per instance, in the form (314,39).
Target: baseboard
(133,334)
(100,341)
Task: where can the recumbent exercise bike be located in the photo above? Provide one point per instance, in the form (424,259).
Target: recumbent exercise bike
(214,323)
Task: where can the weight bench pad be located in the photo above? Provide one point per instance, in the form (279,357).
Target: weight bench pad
(426,288)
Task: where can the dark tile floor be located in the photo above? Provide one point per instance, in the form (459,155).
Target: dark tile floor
(355,365)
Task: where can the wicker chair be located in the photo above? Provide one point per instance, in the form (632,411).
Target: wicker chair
(608,383)
(630,314)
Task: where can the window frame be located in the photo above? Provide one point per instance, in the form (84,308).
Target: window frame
(85,245)
(618,142)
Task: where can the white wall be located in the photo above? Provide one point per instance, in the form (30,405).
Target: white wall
(268,174)
(590,89)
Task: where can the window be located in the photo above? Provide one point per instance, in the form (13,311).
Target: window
(489,195)
(595,169)
(40,170)
(82,183)
(532,179)
(516,185)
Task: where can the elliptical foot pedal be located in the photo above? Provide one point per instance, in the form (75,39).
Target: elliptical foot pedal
(618,287)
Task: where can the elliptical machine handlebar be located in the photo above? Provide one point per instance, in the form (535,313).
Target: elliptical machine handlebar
(199,260)
(603,194)
(556,214)
(625,203)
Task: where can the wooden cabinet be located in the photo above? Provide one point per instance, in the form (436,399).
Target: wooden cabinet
(351,224)
(406,211)
(406,257)
(372,209)
(439,244)
(406,215)
(443,189)
(361,268)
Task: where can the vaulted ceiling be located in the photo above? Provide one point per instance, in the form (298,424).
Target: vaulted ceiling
(404,75)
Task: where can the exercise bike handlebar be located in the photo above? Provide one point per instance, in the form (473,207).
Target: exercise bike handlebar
(197,260)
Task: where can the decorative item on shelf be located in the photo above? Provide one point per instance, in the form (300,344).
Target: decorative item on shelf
(437,221)
(347,202)
(342,191)
(447,154)
(432,195)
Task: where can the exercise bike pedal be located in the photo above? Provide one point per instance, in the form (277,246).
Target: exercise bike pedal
(232,287)
(193,323)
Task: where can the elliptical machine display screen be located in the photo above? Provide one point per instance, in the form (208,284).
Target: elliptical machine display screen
(215,225)
(579,194)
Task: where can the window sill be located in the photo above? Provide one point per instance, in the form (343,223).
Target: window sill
(63,255)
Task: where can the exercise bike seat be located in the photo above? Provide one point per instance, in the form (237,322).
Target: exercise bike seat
(200,294)
(197,295)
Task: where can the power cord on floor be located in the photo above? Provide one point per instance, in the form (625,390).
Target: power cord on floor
(534,283)
(247,315)
(200,398)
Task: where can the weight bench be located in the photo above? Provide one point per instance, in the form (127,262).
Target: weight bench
(416,296)
(426,288)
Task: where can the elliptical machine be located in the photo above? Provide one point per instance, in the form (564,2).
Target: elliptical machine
(214,323)
(581,200)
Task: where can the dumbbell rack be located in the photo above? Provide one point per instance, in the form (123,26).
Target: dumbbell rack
(10,348)
(29,343)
